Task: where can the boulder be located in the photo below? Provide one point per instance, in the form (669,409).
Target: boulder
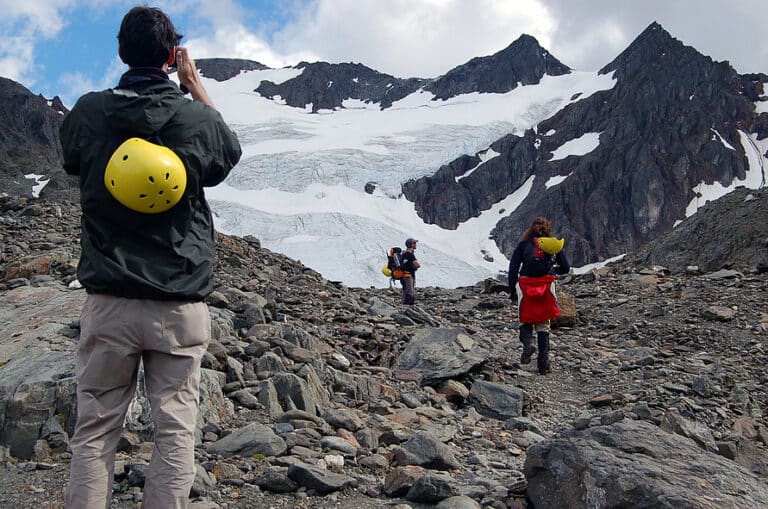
(635,464)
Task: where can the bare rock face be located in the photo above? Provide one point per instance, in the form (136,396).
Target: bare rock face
(522,62)
(327,86)
(673,119)
(729,232)
(635,464)
(29,137)
(222,69)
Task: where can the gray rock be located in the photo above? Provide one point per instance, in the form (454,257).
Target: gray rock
(252,439)
(423,449)
(270,363)
(635,464)
(496,400)
(214,408)
(319,480)
(437,354)
(343,418)
(294,393)
(523,424)
(719,313)
(380,308)
(431,489)
(459,502)
(277,481)
(338,444)
(673,422)
(269,399)
(204,482)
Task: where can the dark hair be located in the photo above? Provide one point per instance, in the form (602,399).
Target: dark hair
(147,37)
(541,227)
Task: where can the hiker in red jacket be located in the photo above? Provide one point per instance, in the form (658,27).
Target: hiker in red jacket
(532,282)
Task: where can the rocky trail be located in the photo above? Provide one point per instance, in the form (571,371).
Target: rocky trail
(319,395)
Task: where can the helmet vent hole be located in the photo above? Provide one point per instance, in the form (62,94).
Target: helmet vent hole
(113,183)
(167,176)
(152,206)
(167,202)
(152,179)
(160,192)
(142,196)
(175,188)
(125,157)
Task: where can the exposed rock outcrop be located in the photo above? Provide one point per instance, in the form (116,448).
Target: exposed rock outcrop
(29,137)
(673,119)
(327,86)
(222,69)
(731,232)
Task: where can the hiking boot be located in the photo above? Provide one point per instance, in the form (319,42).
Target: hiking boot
(528,351)
(543,359)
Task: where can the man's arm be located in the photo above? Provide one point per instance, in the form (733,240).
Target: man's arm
(562,266)
(514,270)
(188,76)
(226,148)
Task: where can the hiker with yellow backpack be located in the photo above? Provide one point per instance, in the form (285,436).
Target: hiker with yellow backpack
(532,268)
(402,266)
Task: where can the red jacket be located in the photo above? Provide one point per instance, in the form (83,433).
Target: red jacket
(538,302)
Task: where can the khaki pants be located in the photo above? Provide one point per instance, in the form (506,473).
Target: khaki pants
(115,334)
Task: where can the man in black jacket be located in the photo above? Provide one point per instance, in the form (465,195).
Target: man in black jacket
(146,272)
(410,266)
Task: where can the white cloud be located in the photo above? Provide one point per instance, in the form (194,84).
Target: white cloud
(23,26)
(409,38)
(236,41)
(73,85)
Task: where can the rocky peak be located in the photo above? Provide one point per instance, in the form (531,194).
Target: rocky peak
(673,119)
(222,69)
(29,137)
(522,62)
(655,51)
(327,86)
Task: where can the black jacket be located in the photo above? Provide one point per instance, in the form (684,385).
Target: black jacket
(529,262)
(167,256)
(408,258)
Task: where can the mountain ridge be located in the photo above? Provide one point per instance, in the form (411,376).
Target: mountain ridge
(619,195)
(673,124)
(327,86)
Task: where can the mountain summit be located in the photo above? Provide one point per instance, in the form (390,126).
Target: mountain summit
(524,62)
(327,86)
(674,127)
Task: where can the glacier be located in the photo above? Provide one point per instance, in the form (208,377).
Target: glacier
(300,185)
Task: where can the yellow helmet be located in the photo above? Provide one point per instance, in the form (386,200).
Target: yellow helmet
(551,245)
(385,270)
(145,177)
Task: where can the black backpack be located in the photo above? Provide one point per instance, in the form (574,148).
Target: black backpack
(395,262)
(536,263)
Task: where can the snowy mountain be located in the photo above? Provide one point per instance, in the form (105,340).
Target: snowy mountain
(616,158)
(301,185)
(342,162)
(620,167)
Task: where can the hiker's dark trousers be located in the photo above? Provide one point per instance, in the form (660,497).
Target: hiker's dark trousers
(409,295)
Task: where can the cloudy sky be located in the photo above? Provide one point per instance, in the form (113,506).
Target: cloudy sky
(66,47)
